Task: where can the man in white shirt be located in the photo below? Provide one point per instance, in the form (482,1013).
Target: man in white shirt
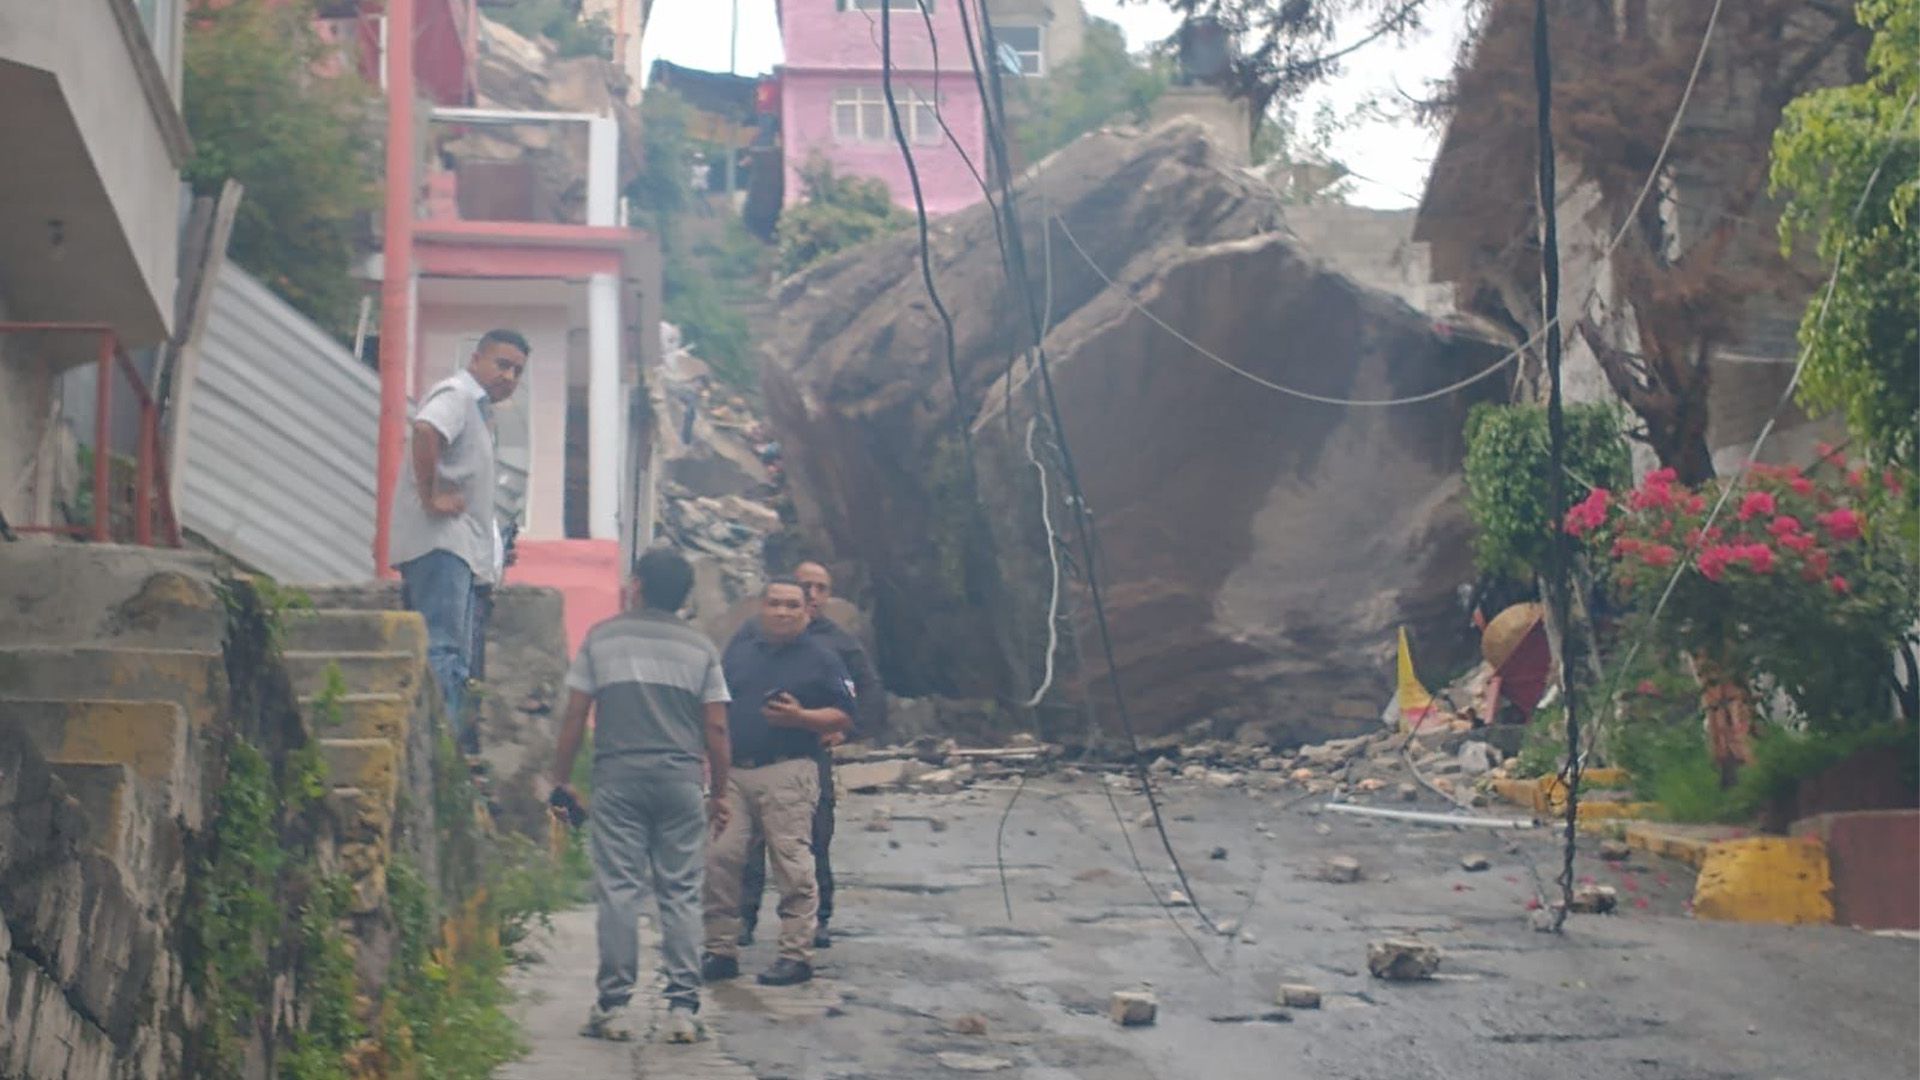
(443,532)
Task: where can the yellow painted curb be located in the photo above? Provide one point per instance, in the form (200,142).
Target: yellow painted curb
(1654,840)
(1546,795)
(1768,879)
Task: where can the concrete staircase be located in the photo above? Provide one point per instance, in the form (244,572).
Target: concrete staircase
(362,682)
(114,706)
(112,672)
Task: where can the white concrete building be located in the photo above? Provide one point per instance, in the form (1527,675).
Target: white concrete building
(89,205)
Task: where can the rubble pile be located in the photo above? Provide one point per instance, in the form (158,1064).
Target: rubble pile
(722,488)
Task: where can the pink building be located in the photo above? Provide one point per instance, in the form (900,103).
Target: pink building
(831,103)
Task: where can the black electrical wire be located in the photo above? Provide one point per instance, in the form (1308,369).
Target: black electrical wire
(993,105)
(926,249)
(1559,557)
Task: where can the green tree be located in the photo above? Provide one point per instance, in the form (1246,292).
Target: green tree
(1507,478)
(1851,147)
(707,284)
(839,212)
(1103,82)
(261,113)
(559,21)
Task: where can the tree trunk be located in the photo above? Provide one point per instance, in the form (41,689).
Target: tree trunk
(1729,717)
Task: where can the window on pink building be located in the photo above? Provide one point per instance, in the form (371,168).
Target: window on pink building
(876,5)
(1027,44)
(860,116)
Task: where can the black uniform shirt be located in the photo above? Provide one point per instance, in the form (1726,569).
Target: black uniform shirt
(756,668)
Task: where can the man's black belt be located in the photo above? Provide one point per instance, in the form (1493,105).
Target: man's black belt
(761,761)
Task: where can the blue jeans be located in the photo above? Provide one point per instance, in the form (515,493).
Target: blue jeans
(439,585)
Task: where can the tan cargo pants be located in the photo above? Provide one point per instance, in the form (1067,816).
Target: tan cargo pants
(777,800)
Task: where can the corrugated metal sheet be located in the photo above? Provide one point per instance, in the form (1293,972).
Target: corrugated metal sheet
(279,450)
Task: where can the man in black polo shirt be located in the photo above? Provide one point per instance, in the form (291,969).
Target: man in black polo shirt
(870,714)
(788,691)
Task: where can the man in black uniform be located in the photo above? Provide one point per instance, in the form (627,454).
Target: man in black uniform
(788,691)
(870,711)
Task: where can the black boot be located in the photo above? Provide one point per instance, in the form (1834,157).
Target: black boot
(786,972)
(822,939)
(719,968)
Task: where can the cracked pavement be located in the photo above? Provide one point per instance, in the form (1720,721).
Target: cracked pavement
(923,940)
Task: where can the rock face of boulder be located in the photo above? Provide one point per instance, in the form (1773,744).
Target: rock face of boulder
(1257,551)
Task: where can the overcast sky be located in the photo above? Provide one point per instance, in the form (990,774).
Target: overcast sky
(1390,159)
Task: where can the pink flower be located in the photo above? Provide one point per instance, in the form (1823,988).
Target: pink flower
(1755,504)
(1801,485)
(1784,526)
(1590,513)
(1626,545)
(1661,477)
(1653,496)
(1713,562)
(1838,584)
(1857,477)
(1658,555)
(1758,557)
(1647,688)
(1798,542)
(1696,503)
(1891,478)
(1843,524)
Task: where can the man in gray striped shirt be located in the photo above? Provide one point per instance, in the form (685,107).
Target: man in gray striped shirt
(659,701)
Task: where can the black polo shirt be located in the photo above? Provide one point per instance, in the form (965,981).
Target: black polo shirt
(756,667)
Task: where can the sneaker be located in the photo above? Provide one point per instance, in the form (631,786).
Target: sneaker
(786,971)
(614,1024)
(822,939)
(683,1026)
(715,968)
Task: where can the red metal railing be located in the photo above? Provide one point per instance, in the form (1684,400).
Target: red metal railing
(150,491)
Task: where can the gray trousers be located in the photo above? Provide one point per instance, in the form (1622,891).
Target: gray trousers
(649,837)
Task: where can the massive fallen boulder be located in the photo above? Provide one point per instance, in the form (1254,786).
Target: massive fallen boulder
(1257,551)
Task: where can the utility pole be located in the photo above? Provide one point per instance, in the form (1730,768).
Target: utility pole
(733,68)
(396,272)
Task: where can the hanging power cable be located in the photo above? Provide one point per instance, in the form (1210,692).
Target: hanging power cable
(1559,555)
(926,249)
(992,103)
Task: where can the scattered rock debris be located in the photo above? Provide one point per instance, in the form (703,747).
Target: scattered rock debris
(1133,1008)
(1474,864)
(1299,996)
(1615,850)
(972,1063)
(1402,960)
(1340,869)
(969,1024)
(1272,1017)
(1218,854)
(1594,900)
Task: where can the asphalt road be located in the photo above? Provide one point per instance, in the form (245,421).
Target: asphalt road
(925,939)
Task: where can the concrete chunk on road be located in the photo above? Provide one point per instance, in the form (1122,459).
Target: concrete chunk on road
(1298,996)
(863,776)
(1133,1008)
(1340,869)
(1402,960)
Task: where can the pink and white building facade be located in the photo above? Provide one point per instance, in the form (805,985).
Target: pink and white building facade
(832,105)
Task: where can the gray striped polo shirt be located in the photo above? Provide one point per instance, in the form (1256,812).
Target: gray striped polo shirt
(649,674)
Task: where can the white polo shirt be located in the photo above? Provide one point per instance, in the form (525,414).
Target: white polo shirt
(457,408)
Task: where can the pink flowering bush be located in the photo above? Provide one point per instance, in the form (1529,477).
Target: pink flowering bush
(1800,581)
